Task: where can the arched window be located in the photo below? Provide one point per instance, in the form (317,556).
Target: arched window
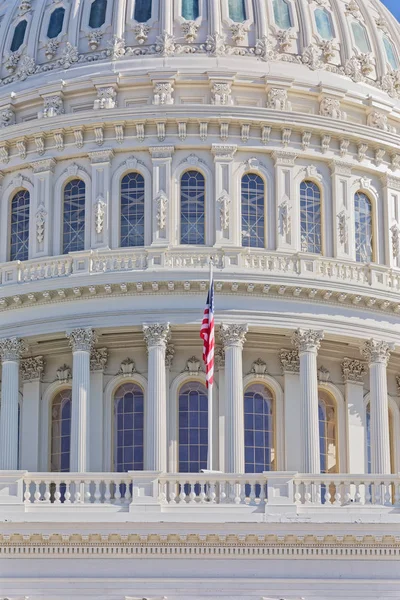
(19,36)
(282,14)
(56,23)
(253,211)
(237,10)
(193,427)
(19,239)
(132,210)
(323,20)
(74,216)
(390,53)
(98,11)
(142,11)
(310,217)
(61,432)
(363,228)
(327,415)
(192,208)
(361,37)
(258,429)
(128,428)
(190,9)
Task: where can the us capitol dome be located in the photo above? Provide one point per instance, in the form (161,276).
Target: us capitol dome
(140,140)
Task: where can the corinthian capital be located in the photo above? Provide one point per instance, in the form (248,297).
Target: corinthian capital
(376,351)
(353,370)
(233,335)
(32,368)
(157,334)
(12,349)
(290,361)
(82,339)
(307,340)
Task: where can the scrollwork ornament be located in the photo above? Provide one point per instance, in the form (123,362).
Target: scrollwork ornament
(353,370)
(157,334)
(290,361)
(376,351)
(395,230)
(32,368)
(162,207)
(82,339)
(11,349)
(99,214)
(98,359)
(40,223)
(224,202)
(64,374)
(307,340)
(233,334)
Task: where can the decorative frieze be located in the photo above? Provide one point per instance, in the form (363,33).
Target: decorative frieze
(277,99)
(330,107)
(163,93)
(221,93)
(106,98)
(82,339)
(379,120)
(98,359)
(353,370)
(290,361)
(53,106)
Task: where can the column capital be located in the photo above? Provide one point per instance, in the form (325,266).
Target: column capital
(156,334)
(11,349)
(98,359)
(233,335)
(307,340)
(290,361)
(353,370)
(82,339)
(376,351)
(32,368)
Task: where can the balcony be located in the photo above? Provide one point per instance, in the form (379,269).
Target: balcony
(216,497)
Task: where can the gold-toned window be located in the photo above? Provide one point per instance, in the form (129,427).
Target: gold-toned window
(327,414)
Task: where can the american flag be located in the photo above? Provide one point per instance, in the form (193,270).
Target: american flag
(207,335)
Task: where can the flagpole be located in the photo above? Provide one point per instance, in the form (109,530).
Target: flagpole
(210,400)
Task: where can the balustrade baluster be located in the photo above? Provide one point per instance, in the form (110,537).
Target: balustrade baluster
(297,492)
(46,496)
(97,492)
(162,498)
(37,495)
(67,494)
(396,494)
(368,493)
(211,492)
(202,494)
(182,493)
(252,493)
(57,493)
(338,495)
(357,493)
(128,496)
(117,493)
(222,492)
(27,493)
(328,496)
(307,492)
(107,492)
(238,493)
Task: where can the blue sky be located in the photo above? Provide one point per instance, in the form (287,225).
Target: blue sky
(394,6)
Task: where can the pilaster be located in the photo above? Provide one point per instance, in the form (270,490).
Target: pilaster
(162,213)
(354,372)
(290,364)
(41,227)
(101,198)
(391,204)
(342,213)
(227,208)
(98,364)
(287,206)
(31,375)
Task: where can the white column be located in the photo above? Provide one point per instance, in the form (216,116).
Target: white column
(41,228)
(156,337)
(31,373)
(377,353)
(101,198)
(291,370)
(233,338)
(81,342)
(354,372)
(98,363)
(226,206)
(220,431)
(10,354)
(307,342)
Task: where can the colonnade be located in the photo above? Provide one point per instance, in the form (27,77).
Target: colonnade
(301,361)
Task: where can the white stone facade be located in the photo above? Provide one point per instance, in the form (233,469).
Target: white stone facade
(283,103)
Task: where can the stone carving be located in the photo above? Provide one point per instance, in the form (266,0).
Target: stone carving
(233,335)
(116,48)
(224,202)
(353,370)
(32,368)
(98,359)
(141,31)
(169,355)
(11,349)
(190,30)
(162,209)
(157,334)
(323,375)
(7,116)
(162,93)
(353,9)
(221,93)
(358,66)
(53,106)
(290,361)
(64,374)
(306,140)
(51,49)
(328,49)
(239,31)
(330,107)
(284,38)
(69,56)
(379,121)
(285,221)
(99,214)
(362,151)
(216,44)
(264,49)
(127,367)
(12,60)
(342,227)
(277,99)
(307,340)
(219,358)
(193,366)
(390,83)
(312,57)
(106,98)
(259,367)
(165,44)
(94,38)
(82,339)
(41,215)
(395,230)
(376,351)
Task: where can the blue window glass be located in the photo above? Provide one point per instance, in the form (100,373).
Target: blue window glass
(19,239)
(190,9)
(324,23)
(258,429)
(132,210)
(142,11)
(192,208)
(56,22)
(361,37)
(310,217)
(61,432)
(18,37)
(363,228)
(193,427)
(74,216)
(253,212)
(327,433)
(128,428)
(282,14)
(390,53)
(98,11)
(237,10)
